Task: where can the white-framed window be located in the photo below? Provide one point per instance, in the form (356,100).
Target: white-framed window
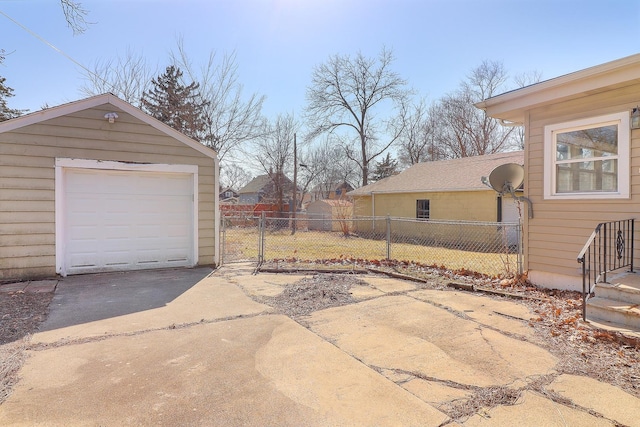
(588,158)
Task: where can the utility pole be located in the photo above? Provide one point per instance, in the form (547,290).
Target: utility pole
(295,185)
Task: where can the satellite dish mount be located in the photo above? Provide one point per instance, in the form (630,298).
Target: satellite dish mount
(506,179)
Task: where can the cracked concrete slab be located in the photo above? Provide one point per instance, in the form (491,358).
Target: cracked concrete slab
(433,392)
(605,399)
(363,292)
(388,285)
(507,316)
(386,360)
(267,285)
(264,370)
(533,410)
(430,341)
(211,298)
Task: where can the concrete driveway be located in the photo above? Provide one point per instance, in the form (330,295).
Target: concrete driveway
(87,298)
(212,356)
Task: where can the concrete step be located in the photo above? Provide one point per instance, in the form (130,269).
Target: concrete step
(614,327)
(614,311)
(619,290)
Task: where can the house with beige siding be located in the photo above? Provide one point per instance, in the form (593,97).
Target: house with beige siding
(98,185)
(441,190)
(582,168)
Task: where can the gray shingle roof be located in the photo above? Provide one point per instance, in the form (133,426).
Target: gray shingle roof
(255,185)
(265,183)
(445,175)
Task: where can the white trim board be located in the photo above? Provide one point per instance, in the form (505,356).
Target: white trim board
(62,164)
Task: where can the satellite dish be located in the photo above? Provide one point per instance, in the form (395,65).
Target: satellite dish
(507,177)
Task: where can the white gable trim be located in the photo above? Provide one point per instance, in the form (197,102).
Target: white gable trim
(94,101)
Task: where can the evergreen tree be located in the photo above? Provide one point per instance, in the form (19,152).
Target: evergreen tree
(385,168)
(6,92)
(175,104)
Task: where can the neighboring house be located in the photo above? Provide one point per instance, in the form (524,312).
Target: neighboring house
(97,185)
(327,215)
(331,191)
(581,162)
(262,189)
(228,195)
(443,190)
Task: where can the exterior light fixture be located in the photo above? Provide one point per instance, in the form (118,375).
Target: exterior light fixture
(635,118)
(111,117)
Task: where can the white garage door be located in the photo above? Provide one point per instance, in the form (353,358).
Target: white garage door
(126,220)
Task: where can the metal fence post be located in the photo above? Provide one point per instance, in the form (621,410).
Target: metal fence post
(520,256)
(261,227)
(388,237)
(223,243)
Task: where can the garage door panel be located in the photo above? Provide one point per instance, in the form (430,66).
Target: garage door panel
(116,258)
(117,231)
(120,220)
(82,260)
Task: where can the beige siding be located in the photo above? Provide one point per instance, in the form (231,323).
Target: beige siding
(27,186)
(560,228)
(461,205)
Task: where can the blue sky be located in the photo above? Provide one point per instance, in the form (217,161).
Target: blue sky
(278,42)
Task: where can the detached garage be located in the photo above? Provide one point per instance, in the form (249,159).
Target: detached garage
(97,185)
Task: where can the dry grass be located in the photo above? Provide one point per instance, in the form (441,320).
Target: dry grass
(242,243)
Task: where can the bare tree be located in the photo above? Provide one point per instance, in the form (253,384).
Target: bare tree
(317,168)
(327,167)
(274,152)
(75,15)
(346,92)
(234,176)
(230,119)
(522,80)
(127,77)
(464,130)
(416,143)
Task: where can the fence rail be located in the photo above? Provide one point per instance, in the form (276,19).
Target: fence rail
(484,247)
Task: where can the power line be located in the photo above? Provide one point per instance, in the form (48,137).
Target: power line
(52,46)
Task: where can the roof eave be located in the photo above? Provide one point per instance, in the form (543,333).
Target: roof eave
(439,190)
(511,106)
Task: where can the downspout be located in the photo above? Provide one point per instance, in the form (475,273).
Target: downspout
(373,211)
(216,206)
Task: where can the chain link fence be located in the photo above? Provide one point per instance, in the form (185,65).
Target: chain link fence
(483,247)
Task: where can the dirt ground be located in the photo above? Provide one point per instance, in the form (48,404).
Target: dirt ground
(581,349)
(20,315)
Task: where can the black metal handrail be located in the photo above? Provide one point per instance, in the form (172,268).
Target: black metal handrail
(609,248)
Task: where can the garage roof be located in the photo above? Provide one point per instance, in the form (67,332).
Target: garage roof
(463,174)
(94,101)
